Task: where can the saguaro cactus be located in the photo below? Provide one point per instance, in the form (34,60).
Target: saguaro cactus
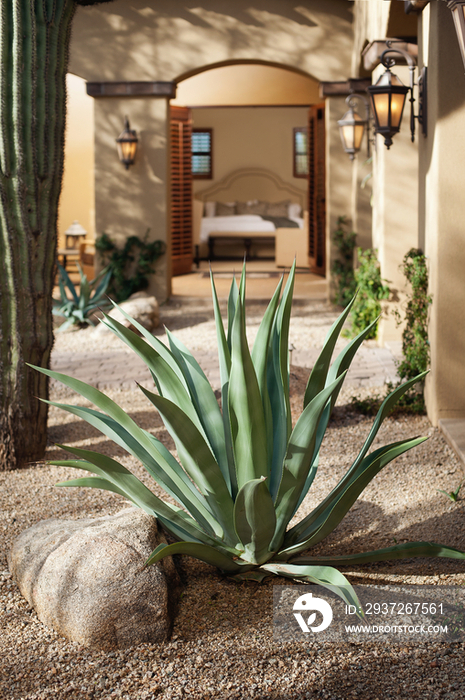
(34,41)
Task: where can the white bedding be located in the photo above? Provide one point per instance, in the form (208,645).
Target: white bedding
(249,223)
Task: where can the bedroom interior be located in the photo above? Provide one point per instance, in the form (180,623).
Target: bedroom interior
(250,112)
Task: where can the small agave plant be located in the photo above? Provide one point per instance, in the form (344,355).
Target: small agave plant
(78,309)
(243,471)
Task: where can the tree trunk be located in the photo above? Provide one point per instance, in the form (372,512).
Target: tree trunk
(34,40)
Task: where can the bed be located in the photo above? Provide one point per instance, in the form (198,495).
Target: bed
(252,207)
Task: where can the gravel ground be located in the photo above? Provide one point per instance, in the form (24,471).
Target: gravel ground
(222,644)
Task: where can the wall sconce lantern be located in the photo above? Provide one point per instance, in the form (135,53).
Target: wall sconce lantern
(352,126)
(457,7)
(127,145)
(388,98)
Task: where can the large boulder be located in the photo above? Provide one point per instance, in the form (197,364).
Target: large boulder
(85,579)
(141,307)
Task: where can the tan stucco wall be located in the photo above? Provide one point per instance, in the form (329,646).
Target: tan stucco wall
(442,210)
(344,195)
(247,84)
(77,194)
(247,137)
(128,202)
(371,19)
(169,39)
(395,211)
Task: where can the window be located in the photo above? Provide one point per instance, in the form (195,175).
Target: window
(202,156)
(300,151)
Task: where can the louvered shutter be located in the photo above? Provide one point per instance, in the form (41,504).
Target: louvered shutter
(181,190)
(317,189)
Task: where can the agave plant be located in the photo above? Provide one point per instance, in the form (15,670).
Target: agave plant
(243,471)
(79,307)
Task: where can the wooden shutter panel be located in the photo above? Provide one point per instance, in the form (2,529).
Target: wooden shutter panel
(181,190)
(316,189)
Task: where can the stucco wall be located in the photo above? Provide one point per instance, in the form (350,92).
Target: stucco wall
(77,194)
(247,137)
(395,210)
(128,202)
(247,84)
(442,212)
(169,39)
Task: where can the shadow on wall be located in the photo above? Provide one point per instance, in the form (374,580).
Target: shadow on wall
(133,42)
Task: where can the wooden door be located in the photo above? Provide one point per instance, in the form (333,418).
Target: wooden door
(316,189)
(181,190)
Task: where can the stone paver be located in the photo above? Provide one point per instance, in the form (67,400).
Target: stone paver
(111,369)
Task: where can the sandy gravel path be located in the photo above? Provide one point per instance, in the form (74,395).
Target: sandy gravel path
(222,644)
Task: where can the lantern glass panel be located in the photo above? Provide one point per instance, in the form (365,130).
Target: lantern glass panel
(127,150)
(381,109)
(397,105)
(352,135)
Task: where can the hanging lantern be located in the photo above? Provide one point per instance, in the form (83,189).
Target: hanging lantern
(387,103)
(352,126)
(127,145)
(388,95)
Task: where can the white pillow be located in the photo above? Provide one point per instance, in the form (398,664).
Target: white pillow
(210,209)
(294,210)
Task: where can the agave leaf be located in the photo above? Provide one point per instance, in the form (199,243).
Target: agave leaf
(341,499)
(155,458)
(298,459)
(340,365)
(242,287)
(278,382)
(100,290)
(245,409)
(399,551)
(94,482)
(232,304)
(205,553)
(388,403)
(198,461)
(317,380)
(66,278)
(172,387)
(64,297)
(260,361)
(325,576)
(255,520)
(154,342)
(112,476)
(204,401)
(224,356)
(383,411)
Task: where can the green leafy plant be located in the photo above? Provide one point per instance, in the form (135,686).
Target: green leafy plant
(131,265)
(343,268)
(91,296)
(244,471)
(371,291)
(452,495)
(415,344)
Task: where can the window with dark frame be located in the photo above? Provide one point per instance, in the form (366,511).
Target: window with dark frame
(202,154)
(300,139)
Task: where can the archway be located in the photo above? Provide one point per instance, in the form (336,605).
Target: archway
(255,113)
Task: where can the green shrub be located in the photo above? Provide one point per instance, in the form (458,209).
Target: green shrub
(82,305)
(244,471)
(415,345)
(371,291)
(131,266)
(343,268)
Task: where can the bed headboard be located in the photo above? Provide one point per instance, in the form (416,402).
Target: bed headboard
(252,183)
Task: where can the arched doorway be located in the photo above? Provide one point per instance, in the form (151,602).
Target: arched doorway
(253,115)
